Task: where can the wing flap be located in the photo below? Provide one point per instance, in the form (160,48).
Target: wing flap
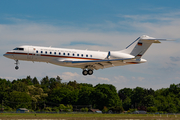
(97,61)
(97,64)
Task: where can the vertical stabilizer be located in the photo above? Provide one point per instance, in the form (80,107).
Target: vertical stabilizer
(140,46)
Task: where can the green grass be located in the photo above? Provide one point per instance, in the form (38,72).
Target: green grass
(89,116)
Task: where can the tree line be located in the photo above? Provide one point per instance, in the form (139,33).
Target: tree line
(52,94)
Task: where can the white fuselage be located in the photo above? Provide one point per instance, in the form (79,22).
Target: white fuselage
(84,59)
(59,55)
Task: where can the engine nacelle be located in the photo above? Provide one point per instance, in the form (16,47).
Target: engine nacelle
(119,55)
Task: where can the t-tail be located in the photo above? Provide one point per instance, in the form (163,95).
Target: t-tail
(140,46)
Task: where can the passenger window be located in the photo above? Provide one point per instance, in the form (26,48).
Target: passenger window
(59,53)
(68,54)
(46,52)
(86,55)
(73,54)
(64,54)
(82,55)
(41,51)
(90,55)
(50,52)
(55,53)
(77,54)
(36,51)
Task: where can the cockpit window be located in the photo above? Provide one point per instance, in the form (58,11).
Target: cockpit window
(18,49)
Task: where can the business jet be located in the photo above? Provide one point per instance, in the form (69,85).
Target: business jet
(87,60)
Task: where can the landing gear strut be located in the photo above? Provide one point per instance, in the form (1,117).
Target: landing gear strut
(17,62)
(87,72)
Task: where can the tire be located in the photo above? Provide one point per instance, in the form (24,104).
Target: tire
(16,67)
(85,72)
(90,72)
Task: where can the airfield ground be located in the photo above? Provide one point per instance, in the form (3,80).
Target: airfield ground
(69,116)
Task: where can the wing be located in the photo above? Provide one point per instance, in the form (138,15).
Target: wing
(95,64)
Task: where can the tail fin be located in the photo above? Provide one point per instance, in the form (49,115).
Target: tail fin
(140,46)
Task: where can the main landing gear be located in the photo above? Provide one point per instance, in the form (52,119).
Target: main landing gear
(87,72)
(17,62)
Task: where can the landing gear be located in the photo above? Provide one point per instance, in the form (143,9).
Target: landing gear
(16,67)
(17,62)
(84,72)
(90,72)
(87,72)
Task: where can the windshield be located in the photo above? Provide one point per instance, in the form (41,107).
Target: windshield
(18,49)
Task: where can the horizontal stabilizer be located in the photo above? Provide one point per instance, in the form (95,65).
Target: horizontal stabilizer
(156,40)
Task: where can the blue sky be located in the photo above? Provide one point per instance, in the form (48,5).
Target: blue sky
(95,25)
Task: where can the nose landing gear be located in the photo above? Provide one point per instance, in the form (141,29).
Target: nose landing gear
(17,62)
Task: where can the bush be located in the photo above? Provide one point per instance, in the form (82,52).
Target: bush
(55,109)
(132,110)
(48,109)
(84,109)
(152,109)
(68,108)
(62,107)
(105,109)
(117,109)
(8,109)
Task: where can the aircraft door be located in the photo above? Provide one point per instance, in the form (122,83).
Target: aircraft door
(31,53)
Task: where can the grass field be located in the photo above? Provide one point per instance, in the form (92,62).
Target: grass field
(70,116)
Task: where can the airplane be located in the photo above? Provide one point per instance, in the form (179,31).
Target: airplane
(87,60)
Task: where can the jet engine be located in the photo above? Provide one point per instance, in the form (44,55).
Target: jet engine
(112,54)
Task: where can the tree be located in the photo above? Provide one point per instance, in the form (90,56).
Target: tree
(149,101)
(106,95)
(58,79)
(45,84)
(127,103)
(35,81)
(138,96)
(161,103)
(152,109)
(63,95)
(19,99)
(73,84)
(37,94)
(85,96)
(124,93)
(19,86)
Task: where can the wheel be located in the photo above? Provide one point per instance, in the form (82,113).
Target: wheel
(16,67)
(85,72)
(90,72)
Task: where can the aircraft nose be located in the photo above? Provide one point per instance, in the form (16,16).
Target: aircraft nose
(8,55)
(5,55)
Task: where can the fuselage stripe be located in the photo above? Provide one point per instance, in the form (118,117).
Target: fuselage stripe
(58,56)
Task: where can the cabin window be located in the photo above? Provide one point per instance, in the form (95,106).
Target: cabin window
(59,53)
(77,54)
(64,53)
(41,51)
(86,55)
(50,52)
(36,51)
(73,54)
(82,55)
(68,54)
(90,55)
(55,53)
(46,52)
